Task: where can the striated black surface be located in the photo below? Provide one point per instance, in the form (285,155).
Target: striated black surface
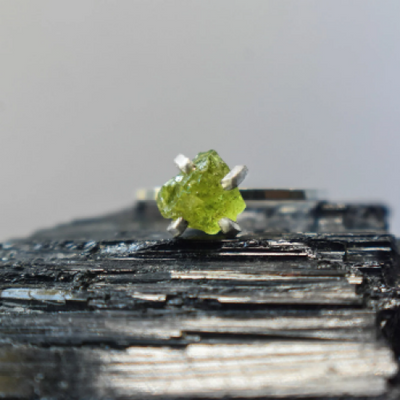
(304,303)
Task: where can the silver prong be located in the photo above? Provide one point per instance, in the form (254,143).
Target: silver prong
(184,163)
(177,227)
(235,177)
(229,227)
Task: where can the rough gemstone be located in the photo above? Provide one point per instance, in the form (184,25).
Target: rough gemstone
(198,196)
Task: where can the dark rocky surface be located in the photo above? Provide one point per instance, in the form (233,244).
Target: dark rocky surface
(304,303)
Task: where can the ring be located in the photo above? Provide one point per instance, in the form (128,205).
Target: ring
(249,194)
(205,195)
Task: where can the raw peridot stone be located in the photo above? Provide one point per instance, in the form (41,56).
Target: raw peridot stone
(198,196)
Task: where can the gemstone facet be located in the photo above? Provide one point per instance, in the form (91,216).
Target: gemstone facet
(198,196)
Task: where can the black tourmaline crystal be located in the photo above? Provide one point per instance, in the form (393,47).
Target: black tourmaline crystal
(303,304)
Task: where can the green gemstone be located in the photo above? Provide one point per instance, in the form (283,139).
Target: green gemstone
(198,196)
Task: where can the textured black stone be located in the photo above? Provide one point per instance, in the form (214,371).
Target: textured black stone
(73,296)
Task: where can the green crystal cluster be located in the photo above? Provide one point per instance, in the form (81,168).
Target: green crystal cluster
(198,196)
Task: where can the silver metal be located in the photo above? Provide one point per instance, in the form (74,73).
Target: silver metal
(251,194)
(184,163)
(177,227)
(229,227)
(276,194)
(235,177)
(147,194)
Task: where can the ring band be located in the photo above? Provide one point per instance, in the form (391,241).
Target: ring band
(249,194)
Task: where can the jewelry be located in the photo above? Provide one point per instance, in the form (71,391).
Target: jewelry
(203,195)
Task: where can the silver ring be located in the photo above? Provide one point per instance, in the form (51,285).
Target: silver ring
(249,194)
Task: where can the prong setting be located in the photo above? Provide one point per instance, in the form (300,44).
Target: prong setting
(235,177)
(196,194)
(184,163)
(177,227)
(229,227)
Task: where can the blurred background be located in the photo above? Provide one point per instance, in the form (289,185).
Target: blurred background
(98,97)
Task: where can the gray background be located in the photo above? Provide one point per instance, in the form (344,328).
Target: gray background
(97,97)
